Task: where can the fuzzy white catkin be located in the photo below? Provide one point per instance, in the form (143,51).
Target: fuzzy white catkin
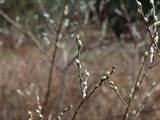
(30,115)
(156,38)
(84,84)
(84,94)
(152,1)
(66,10)
(152,54)
(139,3)
(46,15)
(77,61)
(87,73)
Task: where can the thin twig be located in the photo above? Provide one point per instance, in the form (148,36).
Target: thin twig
(23,30)
(49,21)
(135,89)
(86,47)
(104,78)
(88,96)
(54,54)
(138,82)
(146,23)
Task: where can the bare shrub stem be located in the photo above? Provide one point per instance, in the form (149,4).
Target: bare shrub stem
(89,95)
(134,90)
(23,30)
(54,54)
(104,78)
(154,45)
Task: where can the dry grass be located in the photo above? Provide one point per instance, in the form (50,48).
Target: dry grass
(21,76)
(42,83)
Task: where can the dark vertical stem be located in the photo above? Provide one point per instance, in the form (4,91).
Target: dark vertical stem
(54,54)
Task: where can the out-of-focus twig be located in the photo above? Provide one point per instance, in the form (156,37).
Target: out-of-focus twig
(49,22)
(135,34)
(23,30)
(54,54)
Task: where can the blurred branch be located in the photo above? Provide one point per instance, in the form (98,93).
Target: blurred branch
(54,54)
(23,30)
(50,23)
(133,29)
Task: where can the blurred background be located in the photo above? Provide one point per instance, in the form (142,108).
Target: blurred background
(112,32)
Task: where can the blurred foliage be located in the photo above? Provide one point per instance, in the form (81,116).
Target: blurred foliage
(27,12)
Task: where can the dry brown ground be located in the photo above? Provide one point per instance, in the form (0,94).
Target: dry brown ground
(22,76)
